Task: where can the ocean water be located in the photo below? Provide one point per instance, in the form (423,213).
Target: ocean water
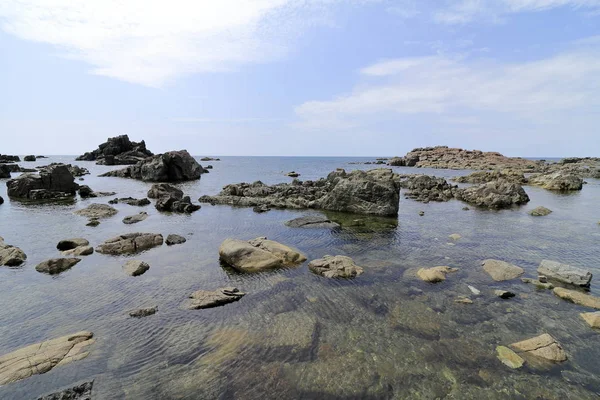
(383,335)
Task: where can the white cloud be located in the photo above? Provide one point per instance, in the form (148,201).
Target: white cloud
(151,42)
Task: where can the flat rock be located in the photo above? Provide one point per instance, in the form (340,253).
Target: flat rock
(312,221)
(501,270)
(592,319)
(79,251)
(135,267)
(175,239)
(540,211)
(56,265)
(207,299)
(565,273)
(577,297)
(258,254)
(10,255)
(130,243)
(335,267)
(79,392)
(69,244)
(435,274)
(41,357)
(130,201)
(543,346)
(143,312)
(509,357)
(133,219)
(97,210)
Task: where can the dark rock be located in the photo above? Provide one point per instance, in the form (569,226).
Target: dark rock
(503,294)
(75,170)
(207,299)
(56,265)
(293,174)
(10,255)
(133,219)
(143,312)
(1,200)
(397,162)
(159,190)
(118,150)
(209,159)
(131,201)
(261,209)
(490,176)
(496,194)
(130,243)
(86,192)
(5,171)
(173,239)
(559,181)
(209,167)
(312,221)
(97,210)
(8,159)
(173,204)
(70,244)
(79,392)
(54,181)
(29,158)
(93,222)
(540,211)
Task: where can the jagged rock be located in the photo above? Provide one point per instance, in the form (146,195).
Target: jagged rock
(501,270)
(373,192)
(69,244)
(565,273)
(118,150)
(576,297)
(56,265)
(143,312)
(79,392)
(561,180)
(509,357)
(41,357)
(96,210)
(425,188)
(54,182)
(312,221)
(132,219)
(503,294)
(207,299)
(131,201)
(130,243)
(29,158)
(592,319)
(11,256)
(490,176)
(135,267)
(335,267)
(496,195)
(435,274)
(258,254)
(543,346)
(540,211)
(173,166)
(173,239)
(178,205)
(159,190)
(75,170)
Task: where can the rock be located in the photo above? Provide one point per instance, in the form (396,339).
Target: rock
(29,158)
(175,239)
(132,219)
(177,205)
(496,195)
(465,208)
(435,274)
(509,357)
(173,166)
(258,254)
(426,188)
(538,283)
(293,174)
(93,222)
(335,267)
(1,200)
(118,150)
(592,319)
(79,251)
(8,159)
(210,159)
(135,267)
(374,192)
(540,212)
(86,192)
(75,170)
(159,190)
(421,213)
(561,181)
(463,300)
(41,357)
(56,265)
(207,299)
(312,221)
(490,176)
(130,243)
(576,297)
(5,171)
(54,182)
(501,271)
(143,312)
(503,294)
(543,346)
(131,201)
(565,273)
(455,236)
(97,210)
(397,162)
(79,392)
(11,256)
(261,209)
(70,244)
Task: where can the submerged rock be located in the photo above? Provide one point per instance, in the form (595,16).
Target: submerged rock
(496,195)
(509,357)
(131,201)
(576,297)
(540,211)
(135,267)
(501,270)
(565,273)
(117,150)
(335,267)
(258,254)
(312,221)
(86,192)
(54,182)
(41,357)
(130,243)
(79,392)
(543,346)
(143,312)
(592,319)
(132,219)
(11,256)
(455,236)
(435,274)
(56,265)
(207,299)
(561,181)
(173,239)
(97,210)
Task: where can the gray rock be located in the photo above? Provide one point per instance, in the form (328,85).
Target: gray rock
(335,267)
(132,219)
(130,243)
(565,273)
(69,244)
(86,192)
(56,265)
(540,211)
(159,190)
(29,158)
(496,195)
(11,256)
(54,182)
(79,392)
(258,254)
(143,312)
(490,176)
(135,267)
(207,299)
(561,181)
(93,222)
(131,201)
(79,251)
(312,221)
(97,210)
(173,239)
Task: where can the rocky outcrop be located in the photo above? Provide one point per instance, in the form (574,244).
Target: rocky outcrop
(374,192)
(544,347)
(135,267)
(86,192)
(134,219)
(177,205)
(435,274)
(75,170)
(335,267)
(29,158)
(173,239)
(5,171)
(56,265)
(425,188)
(79,392)
(258,254)
(131,201)
(560,181)
(490,176)
(130,243)
(118,150)
(173,166)
(97,210)
(55,182)
(577,297)
(8,159)
(565,273)
(312,221)
(501,270)
(495,195)
(11,256)
(540,211)
(41,357)
(208,299)
(159,190)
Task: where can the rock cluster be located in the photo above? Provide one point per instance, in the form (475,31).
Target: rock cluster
(54,182)
(4,158)
(118,150)
(335,267)
(79,392)
(11,256)
(374,192)
(130,243)
(258,254)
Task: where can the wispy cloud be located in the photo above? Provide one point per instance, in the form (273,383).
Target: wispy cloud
(225,120)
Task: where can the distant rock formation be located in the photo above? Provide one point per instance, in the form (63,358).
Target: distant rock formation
(118,150)
(4,159)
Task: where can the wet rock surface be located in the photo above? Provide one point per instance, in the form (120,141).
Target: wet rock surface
(592,319)
(11,256)
(56,265)
(509,357)
(490,176)
(143,312)
(540,211)
(501,270)
(176,205)
(258,254)
(560,181)
(565,273)
(159,190)
(130,243)
(86,192)
(425,188)
(118,150)
(79,392)
(577,297)
(335,267)
(496,195)
(207,299)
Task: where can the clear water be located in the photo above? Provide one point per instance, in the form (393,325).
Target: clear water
(384,335)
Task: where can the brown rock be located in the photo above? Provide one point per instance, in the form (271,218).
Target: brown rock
(435,274)
(577,297)
(501,271)
(543,346)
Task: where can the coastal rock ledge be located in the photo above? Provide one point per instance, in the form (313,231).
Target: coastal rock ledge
(374,192)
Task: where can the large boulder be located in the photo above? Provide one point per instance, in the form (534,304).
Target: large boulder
(565,273)
(373,192)
(335,267)
(53,182)
(29,158)
(130,243)
(497,194)
(10,255)
(173,166)
(258,254)
(41,357)
(118,150)
(561,180)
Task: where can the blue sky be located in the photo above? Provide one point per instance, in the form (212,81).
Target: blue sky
(301,77)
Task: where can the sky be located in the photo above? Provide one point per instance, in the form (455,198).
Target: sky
(301,77)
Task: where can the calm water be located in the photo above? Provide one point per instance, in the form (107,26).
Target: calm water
(384,335)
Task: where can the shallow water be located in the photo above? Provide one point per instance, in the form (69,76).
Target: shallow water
(384,335)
